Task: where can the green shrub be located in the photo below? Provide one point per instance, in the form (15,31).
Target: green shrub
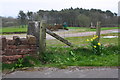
(97,47)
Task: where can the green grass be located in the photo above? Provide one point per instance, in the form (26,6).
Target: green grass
(84,29)
(75,27)
(24,29)
(81,57)
(62,57)
(103,28)
(14,29)
(81,41)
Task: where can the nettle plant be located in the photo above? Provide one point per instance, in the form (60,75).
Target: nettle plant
(96,46)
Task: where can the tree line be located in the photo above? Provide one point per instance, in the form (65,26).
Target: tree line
(77,17)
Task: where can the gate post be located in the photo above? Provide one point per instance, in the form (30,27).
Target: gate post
(42,37)
(38,29)
(98,29)
(33,29)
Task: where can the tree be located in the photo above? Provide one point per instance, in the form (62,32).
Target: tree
(115,14)
(109,13)
(29,15)
(73,16)
(22,17)
(83,20)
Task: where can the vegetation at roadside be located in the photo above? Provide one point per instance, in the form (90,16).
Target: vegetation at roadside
(81,57)
(62,57)
(59,55)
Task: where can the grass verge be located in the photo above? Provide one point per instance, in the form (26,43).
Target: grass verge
(59,55)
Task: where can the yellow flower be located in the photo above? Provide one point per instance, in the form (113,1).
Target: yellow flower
(91,39)
(87,39)
(94,35)
(99,44)
(94,46)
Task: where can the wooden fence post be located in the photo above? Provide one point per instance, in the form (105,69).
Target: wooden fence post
(42,37)
(98,29)
(34,29)
(38,29)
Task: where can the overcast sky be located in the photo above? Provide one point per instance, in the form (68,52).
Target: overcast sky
(12,7)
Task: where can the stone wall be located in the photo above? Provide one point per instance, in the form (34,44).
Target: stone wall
(16,48)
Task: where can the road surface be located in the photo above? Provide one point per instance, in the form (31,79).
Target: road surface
(66,35)
(66,73)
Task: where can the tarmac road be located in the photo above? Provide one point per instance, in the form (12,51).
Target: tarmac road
(66,73)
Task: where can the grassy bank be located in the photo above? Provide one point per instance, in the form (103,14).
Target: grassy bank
(60,55)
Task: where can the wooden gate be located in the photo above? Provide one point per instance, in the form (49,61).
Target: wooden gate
(39,30)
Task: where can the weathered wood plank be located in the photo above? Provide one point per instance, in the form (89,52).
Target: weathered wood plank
(34,29)
(42,37)
(58,37)
(38,29)
(98,29)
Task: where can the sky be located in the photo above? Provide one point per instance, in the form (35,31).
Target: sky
(119,8)
(12,7)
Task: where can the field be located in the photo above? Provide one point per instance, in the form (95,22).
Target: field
(77,29)
(88,29)
(79,41)
(14,29)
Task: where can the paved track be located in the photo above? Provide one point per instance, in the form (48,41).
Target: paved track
(66,73)
(66,35)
